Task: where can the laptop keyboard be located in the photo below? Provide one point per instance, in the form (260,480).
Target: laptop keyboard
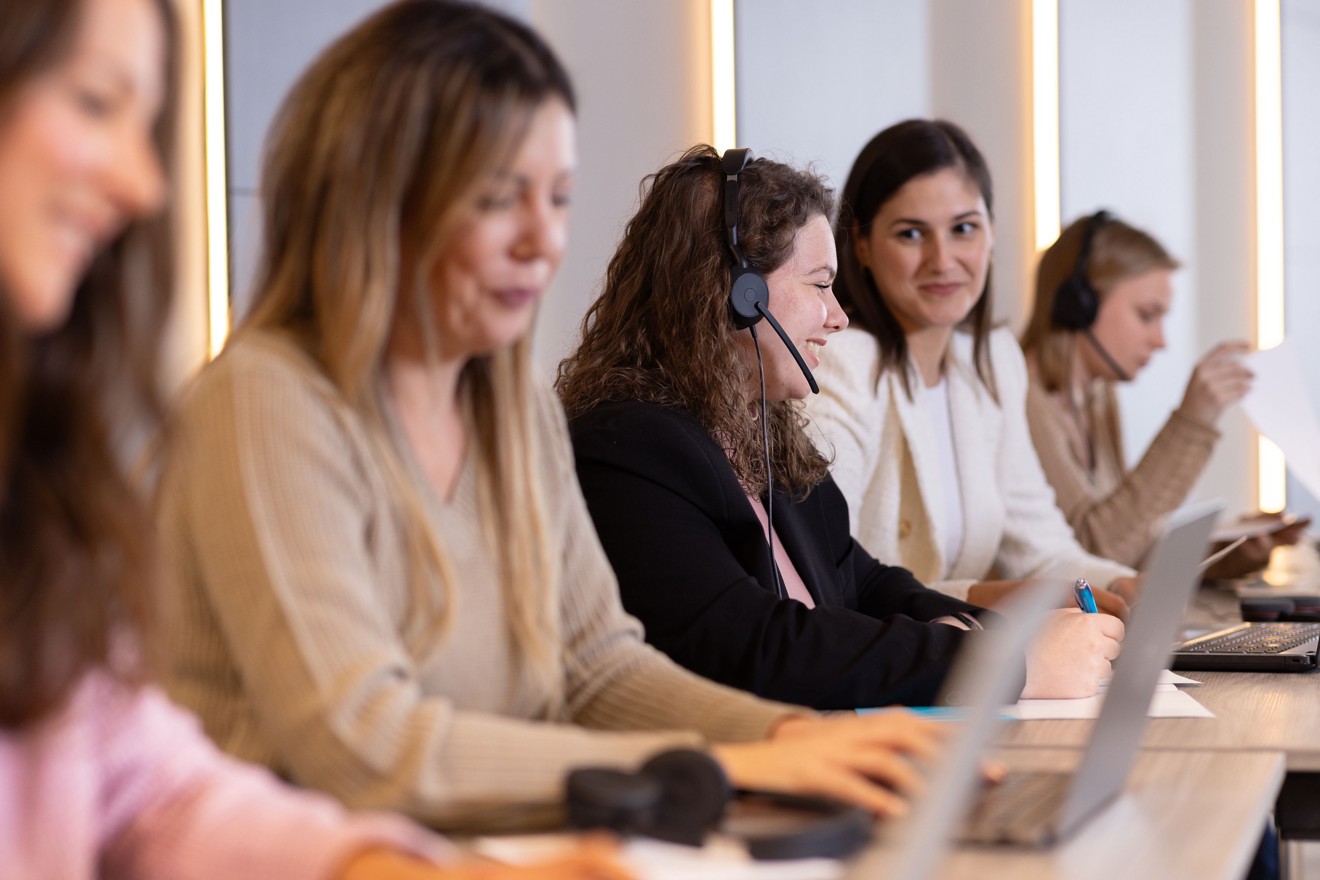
(1016,809)
(1259,638)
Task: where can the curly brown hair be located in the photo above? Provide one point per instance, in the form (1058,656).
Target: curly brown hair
(661,331)
(75,555)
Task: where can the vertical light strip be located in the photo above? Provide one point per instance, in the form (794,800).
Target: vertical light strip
(1045,120)
(724,111)
(1267,110)
(217,214)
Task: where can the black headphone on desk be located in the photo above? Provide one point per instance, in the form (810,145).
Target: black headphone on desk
(749,294)
(682,795)
(1076,301)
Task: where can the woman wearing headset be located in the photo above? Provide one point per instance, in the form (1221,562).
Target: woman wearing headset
(1102,292)
(922,403)
(690,440)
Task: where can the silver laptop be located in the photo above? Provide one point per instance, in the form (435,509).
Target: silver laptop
(955,798)
(1041,808)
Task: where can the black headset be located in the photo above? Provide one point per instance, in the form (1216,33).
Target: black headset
(749,294)
(1076,302)
(682,795)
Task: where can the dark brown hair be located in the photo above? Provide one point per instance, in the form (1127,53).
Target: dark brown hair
(896,155)
(75,561)
(661,330)
(1118,252)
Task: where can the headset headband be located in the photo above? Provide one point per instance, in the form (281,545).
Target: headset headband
(734,161)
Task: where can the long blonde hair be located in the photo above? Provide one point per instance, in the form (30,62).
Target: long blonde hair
(391,136)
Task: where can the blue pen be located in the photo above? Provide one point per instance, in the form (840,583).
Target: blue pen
(1085,598)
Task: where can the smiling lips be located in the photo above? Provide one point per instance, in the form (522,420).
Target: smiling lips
(82,236)
(517,297)
(941,288)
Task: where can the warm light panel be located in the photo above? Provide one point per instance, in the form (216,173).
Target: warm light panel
(1045,119)
(723,82)
(1267,110)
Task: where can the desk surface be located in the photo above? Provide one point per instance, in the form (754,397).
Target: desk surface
(1253,710)
(1194,814)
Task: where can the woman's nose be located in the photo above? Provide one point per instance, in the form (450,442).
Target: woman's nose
(136,178)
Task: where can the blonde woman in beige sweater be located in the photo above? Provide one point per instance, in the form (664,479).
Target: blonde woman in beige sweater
(387,583)
(1102,292)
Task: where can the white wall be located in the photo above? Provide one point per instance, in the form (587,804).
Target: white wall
(1301,133)
(1155,125)
(815,88)
(642,73)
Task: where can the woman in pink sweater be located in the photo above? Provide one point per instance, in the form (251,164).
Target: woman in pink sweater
(99,774)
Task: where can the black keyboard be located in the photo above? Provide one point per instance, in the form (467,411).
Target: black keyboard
(1259,638)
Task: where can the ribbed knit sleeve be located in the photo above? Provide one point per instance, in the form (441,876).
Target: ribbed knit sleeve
(1117,517)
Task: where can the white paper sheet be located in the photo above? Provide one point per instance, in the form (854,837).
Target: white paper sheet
(1280,407)
(1168,676)
(1251,528)
(1168,702)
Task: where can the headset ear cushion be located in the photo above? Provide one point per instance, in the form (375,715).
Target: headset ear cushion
(597,797)
(1075,305)
(748,289)
(694,795)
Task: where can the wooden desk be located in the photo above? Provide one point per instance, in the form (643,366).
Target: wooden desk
(1270,711)
(1253,710)
(1193,814)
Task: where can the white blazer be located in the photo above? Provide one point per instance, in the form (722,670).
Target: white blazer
(885,462)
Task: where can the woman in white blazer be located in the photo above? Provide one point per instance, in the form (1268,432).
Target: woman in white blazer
(922,403)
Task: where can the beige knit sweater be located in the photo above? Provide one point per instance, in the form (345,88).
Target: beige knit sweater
(283,625)
(1115,512)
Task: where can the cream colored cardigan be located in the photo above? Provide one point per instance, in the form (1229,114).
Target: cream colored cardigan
(885,463)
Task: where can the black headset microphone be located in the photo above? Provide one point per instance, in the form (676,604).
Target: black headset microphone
(1076,302)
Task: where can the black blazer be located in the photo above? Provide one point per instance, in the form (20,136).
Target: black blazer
(692,563)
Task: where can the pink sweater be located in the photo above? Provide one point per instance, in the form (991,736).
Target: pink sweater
(123,784)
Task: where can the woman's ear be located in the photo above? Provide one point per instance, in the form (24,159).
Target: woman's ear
(861,246)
